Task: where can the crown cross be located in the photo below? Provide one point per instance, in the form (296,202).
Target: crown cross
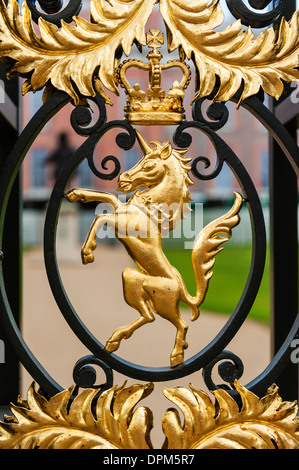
(154,106)
(154,40)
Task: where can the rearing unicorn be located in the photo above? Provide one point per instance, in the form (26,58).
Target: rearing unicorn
(157,287)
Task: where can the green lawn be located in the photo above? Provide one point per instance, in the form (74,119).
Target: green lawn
(226,286)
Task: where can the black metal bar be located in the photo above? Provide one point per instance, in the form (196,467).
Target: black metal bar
(11,167)
(284,248)
(9,369)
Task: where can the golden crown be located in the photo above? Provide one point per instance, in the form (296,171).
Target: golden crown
(154,106)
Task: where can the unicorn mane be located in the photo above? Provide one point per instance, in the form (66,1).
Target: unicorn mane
(179,154)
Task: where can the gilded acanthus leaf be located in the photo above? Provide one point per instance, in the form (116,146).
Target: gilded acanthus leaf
(237,57)
(66,423)
(112,422)
(266,423)
(72,54)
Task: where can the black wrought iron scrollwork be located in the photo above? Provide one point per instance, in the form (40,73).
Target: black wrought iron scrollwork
(81,118)
(108,176)
(51,6)
(259,4)
(184,139)
(124,140)
(216,111)
(252,18)
(54,14)
(218,115)
(84,374)
(231,368)
(207,164)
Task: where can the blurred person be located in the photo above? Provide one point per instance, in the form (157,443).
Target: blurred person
(60,154)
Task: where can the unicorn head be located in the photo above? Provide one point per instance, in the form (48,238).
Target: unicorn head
(162,167)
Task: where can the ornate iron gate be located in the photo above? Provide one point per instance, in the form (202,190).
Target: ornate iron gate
(77,64)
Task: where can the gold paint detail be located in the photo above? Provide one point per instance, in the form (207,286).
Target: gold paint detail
(86,53)
(63,422)
(111,420)
(157,287)
(154,106)
(266,423)
(83,53)
(235,56)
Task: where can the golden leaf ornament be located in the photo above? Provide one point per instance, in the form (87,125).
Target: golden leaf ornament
(65,423)
(235,56)
(85,53)
(74,52)
(266,423)
(111,421)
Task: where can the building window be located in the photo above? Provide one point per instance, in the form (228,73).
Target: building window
(39,168)
(265,169)
(36,102)
(224,179)
(84,174)
(130,159)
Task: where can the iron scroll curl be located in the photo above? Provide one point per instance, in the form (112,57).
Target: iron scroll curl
(249,17)
(84,373)
(53,12)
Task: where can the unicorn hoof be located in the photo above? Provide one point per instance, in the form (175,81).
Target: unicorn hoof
(112,346)
(177,360)
(87,258)
(73,195)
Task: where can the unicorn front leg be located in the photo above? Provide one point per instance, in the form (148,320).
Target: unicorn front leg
(90,243)
(88,195)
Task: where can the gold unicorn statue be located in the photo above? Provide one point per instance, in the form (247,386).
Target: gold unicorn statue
(157,287)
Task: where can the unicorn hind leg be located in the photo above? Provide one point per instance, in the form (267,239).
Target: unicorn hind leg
(164,295)
(137,298)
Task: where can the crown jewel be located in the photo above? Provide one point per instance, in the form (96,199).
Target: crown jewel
(154,106)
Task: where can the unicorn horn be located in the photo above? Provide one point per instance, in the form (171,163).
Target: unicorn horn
(145,147)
